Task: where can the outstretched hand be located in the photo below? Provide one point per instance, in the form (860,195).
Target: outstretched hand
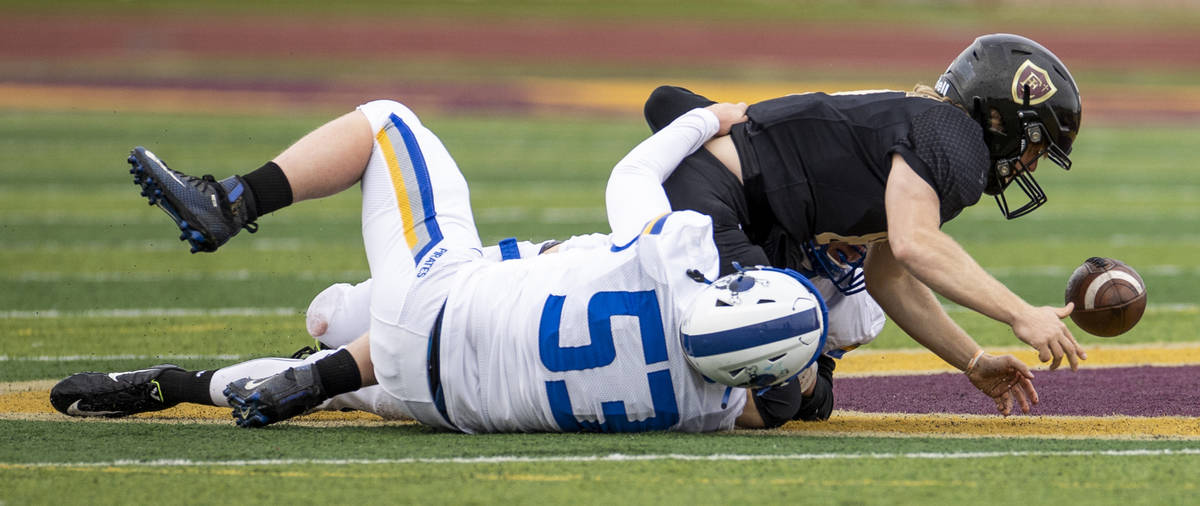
(1004,379)
(1043,329)
(728,115)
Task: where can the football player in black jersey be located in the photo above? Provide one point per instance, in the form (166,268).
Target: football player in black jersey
(831,183)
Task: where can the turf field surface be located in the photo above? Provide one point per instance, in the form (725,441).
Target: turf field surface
(100,282)
(93,279)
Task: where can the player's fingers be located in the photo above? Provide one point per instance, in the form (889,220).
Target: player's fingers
(1022,399)
(1018,366)
(1044,354)
(1075,343)
(1026,386)
(1065,311)
(1057,351)
(1071,349)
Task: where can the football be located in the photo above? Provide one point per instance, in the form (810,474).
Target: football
(1109,296)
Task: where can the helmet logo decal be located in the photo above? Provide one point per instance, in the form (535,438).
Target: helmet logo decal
(1041,88)
(942,86)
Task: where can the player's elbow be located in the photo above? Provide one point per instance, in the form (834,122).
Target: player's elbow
(904,247)
(911,246)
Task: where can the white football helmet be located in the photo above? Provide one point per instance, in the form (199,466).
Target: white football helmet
(755,328)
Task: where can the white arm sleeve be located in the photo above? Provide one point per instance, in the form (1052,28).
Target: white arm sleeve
(589,241)
(635,194)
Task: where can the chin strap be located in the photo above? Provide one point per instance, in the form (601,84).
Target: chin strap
(698,276)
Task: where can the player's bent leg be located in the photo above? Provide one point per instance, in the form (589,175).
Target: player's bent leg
(112,394)
(326,161)
(371,399)
(329,159)
(416,205)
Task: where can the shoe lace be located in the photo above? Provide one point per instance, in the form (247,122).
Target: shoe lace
(304,352)
(309,350)
(250,226)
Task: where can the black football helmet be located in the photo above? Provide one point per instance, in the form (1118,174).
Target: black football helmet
(1021,94)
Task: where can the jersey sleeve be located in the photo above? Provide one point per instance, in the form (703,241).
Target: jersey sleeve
(672,245)
(635,194)
(945,147)
(589,241)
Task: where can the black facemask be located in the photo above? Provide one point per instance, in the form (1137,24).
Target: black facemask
(1005,171)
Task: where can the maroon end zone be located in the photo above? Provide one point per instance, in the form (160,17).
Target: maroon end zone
(1129,391)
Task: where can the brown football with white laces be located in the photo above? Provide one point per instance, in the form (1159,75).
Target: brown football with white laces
(1109,296)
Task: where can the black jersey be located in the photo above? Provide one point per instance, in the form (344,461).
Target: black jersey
(818,164)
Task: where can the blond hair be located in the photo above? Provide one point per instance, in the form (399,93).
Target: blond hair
(925,91)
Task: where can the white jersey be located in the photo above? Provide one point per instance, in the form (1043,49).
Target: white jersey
(586,339)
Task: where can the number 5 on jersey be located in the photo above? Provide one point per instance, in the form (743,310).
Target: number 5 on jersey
(595,361)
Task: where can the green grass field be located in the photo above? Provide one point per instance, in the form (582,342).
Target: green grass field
(91,276)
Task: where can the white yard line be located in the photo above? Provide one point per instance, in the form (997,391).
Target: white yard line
(616,457)
(77,358)
(153,312)
(140,246)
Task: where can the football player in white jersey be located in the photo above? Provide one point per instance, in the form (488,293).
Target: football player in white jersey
(425,258)
(585,339)
(496,396)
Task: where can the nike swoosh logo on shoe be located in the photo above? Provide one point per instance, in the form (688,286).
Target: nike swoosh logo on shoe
(154,157)
(74,410)
(254,383)
(116,376)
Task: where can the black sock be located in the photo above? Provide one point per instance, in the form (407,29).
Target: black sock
(339,373)
(270,187)
(186,386)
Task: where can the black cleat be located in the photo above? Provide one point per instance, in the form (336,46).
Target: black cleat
(113,394)
(207,211)
(260,402)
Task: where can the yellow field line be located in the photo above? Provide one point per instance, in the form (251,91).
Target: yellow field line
(630,94)
(617,95)
(136,99)
(30,401)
